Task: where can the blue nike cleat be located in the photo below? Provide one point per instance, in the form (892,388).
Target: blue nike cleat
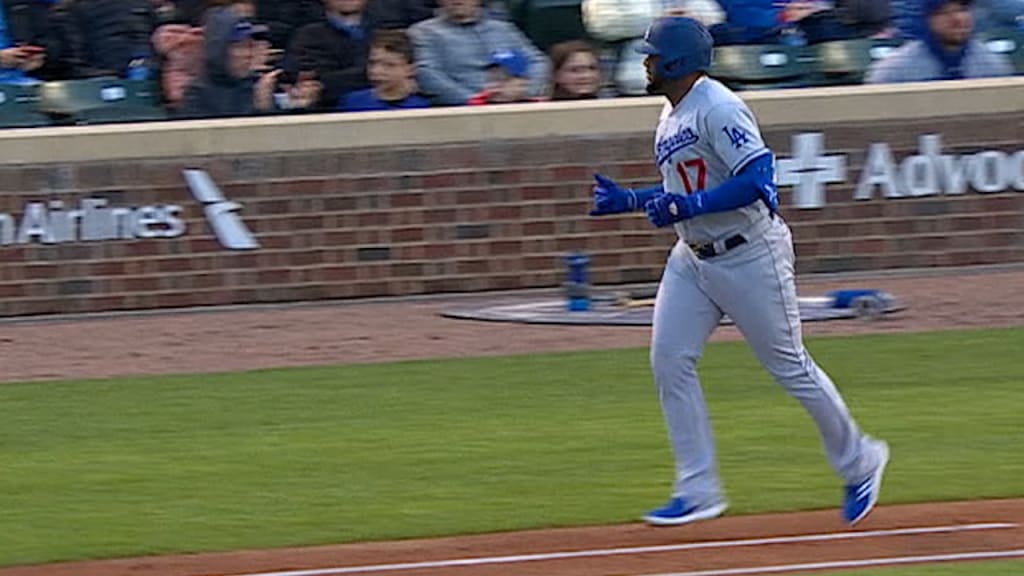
(860,498)
(678,512)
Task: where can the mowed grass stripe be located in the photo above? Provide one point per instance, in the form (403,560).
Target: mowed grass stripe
(273,458)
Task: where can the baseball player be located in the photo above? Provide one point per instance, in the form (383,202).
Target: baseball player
(734,256)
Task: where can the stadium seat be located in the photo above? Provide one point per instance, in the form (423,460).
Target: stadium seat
(846,61)
(548,22)
(761,66)
(100,100)
(18,106)
(1008,41)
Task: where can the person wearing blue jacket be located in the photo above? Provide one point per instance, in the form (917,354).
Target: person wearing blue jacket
(947,50)
(391,72)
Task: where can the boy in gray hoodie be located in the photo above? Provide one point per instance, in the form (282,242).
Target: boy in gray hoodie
(233,83)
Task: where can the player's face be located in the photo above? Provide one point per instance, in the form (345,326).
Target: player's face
(655,84)
(951,25)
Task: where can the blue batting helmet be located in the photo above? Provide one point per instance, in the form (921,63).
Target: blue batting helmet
(683,44)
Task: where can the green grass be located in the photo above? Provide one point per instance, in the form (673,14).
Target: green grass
(289,457)
(993,568)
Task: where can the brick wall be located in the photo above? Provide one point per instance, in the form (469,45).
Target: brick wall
(463,217)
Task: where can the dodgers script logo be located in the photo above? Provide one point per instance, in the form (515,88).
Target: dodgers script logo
(669,146)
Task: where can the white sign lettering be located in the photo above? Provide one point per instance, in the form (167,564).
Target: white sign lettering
(930,172)
(51,223)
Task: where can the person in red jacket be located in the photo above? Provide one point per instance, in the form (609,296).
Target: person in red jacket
(507,80)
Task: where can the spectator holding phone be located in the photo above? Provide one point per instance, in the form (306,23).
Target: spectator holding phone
(23,35)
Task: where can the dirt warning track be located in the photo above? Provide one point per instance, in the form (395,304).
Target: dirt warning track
(735,545)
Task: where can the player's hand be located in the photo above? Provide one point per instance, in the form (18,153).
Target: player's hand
(609,198)
(667,209)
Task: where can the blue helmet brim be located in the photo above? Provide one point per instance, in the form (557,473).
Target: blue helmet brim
(646,47)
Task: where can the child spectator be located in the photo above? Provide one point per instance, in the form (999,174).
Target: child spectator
(392,76)
(232,82)
(576,71)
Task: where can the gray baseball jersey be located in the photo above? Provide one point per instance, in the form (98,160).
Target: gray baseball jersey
(710,136)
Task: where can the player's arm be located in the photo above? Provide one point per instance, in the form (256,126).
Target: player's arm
(754,181)
(610,198)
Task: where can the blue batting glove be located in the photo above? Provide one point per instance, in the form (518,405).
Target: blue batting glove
(667,209)
(609,198)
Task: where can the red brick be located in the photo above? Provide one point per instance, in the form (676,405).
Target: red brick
(407,234)
(530,193)
(13,290)
(538,228)
(473,266)
(371,219)
(306,186)
(504,212)
(571,173)
(463,197)
(338,273)
(141,283)
(643,171)
(375,184)
(200,245)
(406,199)
(503,247)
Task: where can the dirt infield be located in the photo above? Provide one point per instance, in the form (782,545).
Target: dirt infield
(253,338)
(776,543)
(249,338)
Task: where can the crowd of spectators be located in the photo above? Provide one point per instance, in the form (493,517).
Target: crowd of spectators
(215,58)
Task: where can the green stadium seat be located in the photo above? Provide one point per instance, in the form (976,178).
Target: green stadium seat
(548,22)
(18,106)
(847,61)
(761,66)
(1008,41)
(100,100)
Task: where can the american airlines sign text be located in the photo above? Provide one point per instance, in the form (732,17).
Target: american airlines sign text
(96,219)
(928,173)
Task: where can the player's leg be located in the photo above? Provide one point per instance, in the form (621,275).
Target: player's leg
(757,288)
(684,317)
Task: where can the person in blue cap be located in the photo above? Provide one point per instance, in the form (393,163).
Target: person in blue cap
(508,80)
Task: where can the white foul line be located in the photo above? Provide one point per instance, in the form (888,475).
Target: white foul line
(639,550)
(839,564)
